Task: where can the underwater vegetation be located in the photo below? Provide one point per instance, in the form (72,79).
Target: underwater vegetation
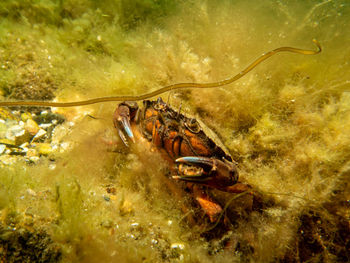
(82,196)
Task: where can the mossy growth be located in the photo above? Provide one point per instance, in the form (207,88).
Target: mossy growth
(286,124)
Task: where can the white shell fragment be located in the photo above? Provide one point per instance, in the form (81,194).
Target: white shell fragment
(178,245)
(45,125)
(38,135)
(14,131)
(2,148)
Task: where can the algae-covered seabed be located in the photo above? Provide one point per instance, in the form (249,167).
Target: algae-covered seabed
(287,124)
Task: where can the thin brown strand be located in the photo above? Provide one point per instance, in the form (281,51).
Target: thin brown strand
(169,87)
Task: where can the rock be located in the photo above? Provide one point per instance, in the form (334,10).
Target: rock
(14,131)
(31,127)
(49,117)
(5,114)
(3,129)
(32,153)
(177,245)
(23,138)
(2,148)
(38,135)
(44,148)
(26,116)
(126,208)
(7,142)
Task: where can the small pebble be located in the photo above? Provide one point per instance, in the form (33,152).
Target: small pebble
(39,134)
(25,137)
(71,124)
(32,127)
(7,159)
(44,148)
(10,122)
(126,208)
(34,159)
(14,131)
(65,145)
(45,125)
(2,148)
(31,192)
(5,114)
(113,197)
(32,153)
(7,142)
(26,116)
(23,145)
(3,129)
(177,245)
(24,149)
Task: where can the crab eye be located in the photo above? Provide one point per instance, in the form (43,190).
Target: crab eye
(159,105)
(193,125)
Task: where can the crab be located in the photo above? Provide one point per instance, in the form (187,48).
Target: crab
(199,161)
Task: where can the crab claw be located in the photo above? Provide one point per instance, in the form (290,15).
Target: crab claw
(207,171)
(121,119)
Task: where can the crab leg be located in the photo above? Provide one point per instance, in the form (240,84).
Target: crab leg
(210,207)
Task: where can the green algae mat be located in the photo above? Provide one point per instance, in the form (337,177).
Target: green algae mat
(70,191)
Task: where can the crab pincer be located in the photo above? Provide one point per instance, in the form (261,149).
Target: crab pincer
(122,116)
(212,172)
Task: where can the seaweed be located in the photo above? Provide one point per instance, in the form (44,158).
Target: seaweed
(287,125)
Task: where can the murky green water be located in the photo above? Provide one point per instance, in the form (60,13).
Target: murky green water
(286,124)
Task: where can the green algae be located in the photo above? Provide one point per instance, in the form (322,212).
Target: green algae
(286,124)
